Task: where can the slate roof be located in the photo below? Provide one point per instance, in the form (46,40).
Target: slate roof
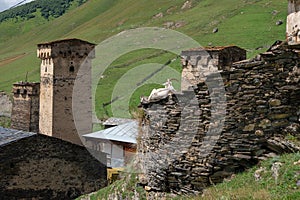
(11,135)
(66,40)
(123,133)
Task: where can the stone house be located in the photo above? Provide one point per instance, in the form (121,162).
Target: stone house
(36,166)
(118,142)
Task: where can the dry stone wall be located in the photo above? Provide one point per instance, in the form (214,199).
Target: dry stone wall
(5,105)
(186,145)
(42,167)
(25,110)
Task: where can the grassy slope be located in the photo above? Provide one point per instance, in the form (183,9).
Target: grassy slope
(243,186)
(247,23)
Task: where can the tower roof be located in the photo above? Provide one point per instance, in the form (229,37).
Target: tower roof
(65,40)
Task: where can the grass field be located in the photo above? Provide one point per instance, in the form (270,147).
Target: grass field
(249,24)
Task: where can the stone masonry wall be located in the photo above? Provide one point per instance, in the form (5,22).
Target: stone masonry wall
(61,62)
(42,167)
(5,105)
(182,151)
(25,110)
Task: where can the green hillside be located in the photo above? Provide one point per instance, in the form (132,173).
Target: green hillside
(250,24)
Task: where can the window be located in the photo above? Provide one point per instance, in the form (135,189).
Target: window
(72,69)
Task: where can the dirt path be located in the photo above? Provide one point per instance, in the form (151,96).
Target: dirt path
(11,59)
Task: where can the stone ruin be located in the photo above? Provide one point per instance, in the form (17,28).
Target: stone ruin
(189,142)
(231,114)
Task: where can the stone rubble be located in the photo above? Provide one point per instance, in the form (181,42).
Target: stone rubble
(187,146)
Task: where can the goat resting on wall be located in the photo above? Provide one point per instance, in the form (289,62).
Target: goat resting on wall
(160,93)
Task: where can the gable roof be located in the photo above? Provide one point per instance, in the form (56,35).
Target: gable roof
(114,121)
(11,135)
(123,133)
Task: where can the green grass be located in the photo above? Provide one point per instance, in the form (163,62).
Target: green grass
(247,23)
(5,122)
(125,187)
(242,187)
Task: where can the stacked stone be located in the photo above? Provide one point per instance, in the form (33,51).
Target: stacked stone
(192,146)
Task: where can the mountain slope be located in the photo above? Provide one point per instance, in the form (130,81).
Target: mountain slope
(249,24)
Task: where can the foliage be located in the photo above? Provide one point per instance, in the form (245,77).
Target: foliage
(53,8)
(5,122)
(124,189)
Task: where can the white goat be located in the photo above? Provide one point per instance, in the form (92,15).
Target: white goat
(161,93)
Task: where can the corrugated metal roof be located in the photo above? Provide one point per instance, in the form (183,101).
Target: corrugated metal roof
(11,135)
(117,121)
(122,133)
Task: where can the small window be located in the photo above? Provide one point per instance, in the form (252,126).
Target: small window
(72,69)
(25,91)
(66,98)
(46,69)
(18,91)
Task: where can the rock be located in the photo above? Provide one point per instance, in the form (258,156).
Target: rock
(293,129)
(147,188)
(279,22)
(275,170)
(249,127)
(297,163)
(258,172)
(215,30)
(275,12)
(168,24)
(158,15)
(259,133)
(274,102)
(186,5)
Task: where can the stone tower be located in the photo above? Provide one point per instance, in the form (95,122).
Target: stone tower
(293,22)
(61,61)
(198,62)
(25,110)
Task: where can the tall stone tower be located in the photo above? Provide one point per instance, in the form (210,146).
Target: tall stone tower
(293,22)
(61,61)
(25,110)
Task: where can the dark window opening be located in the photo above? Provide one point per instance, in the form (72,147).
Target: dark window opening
(45,69)
(25,91)
(66,98)
(72,69)
(18,91)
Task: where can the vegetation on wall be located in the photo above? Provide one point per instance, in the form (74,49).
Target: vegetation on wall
(5,122)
